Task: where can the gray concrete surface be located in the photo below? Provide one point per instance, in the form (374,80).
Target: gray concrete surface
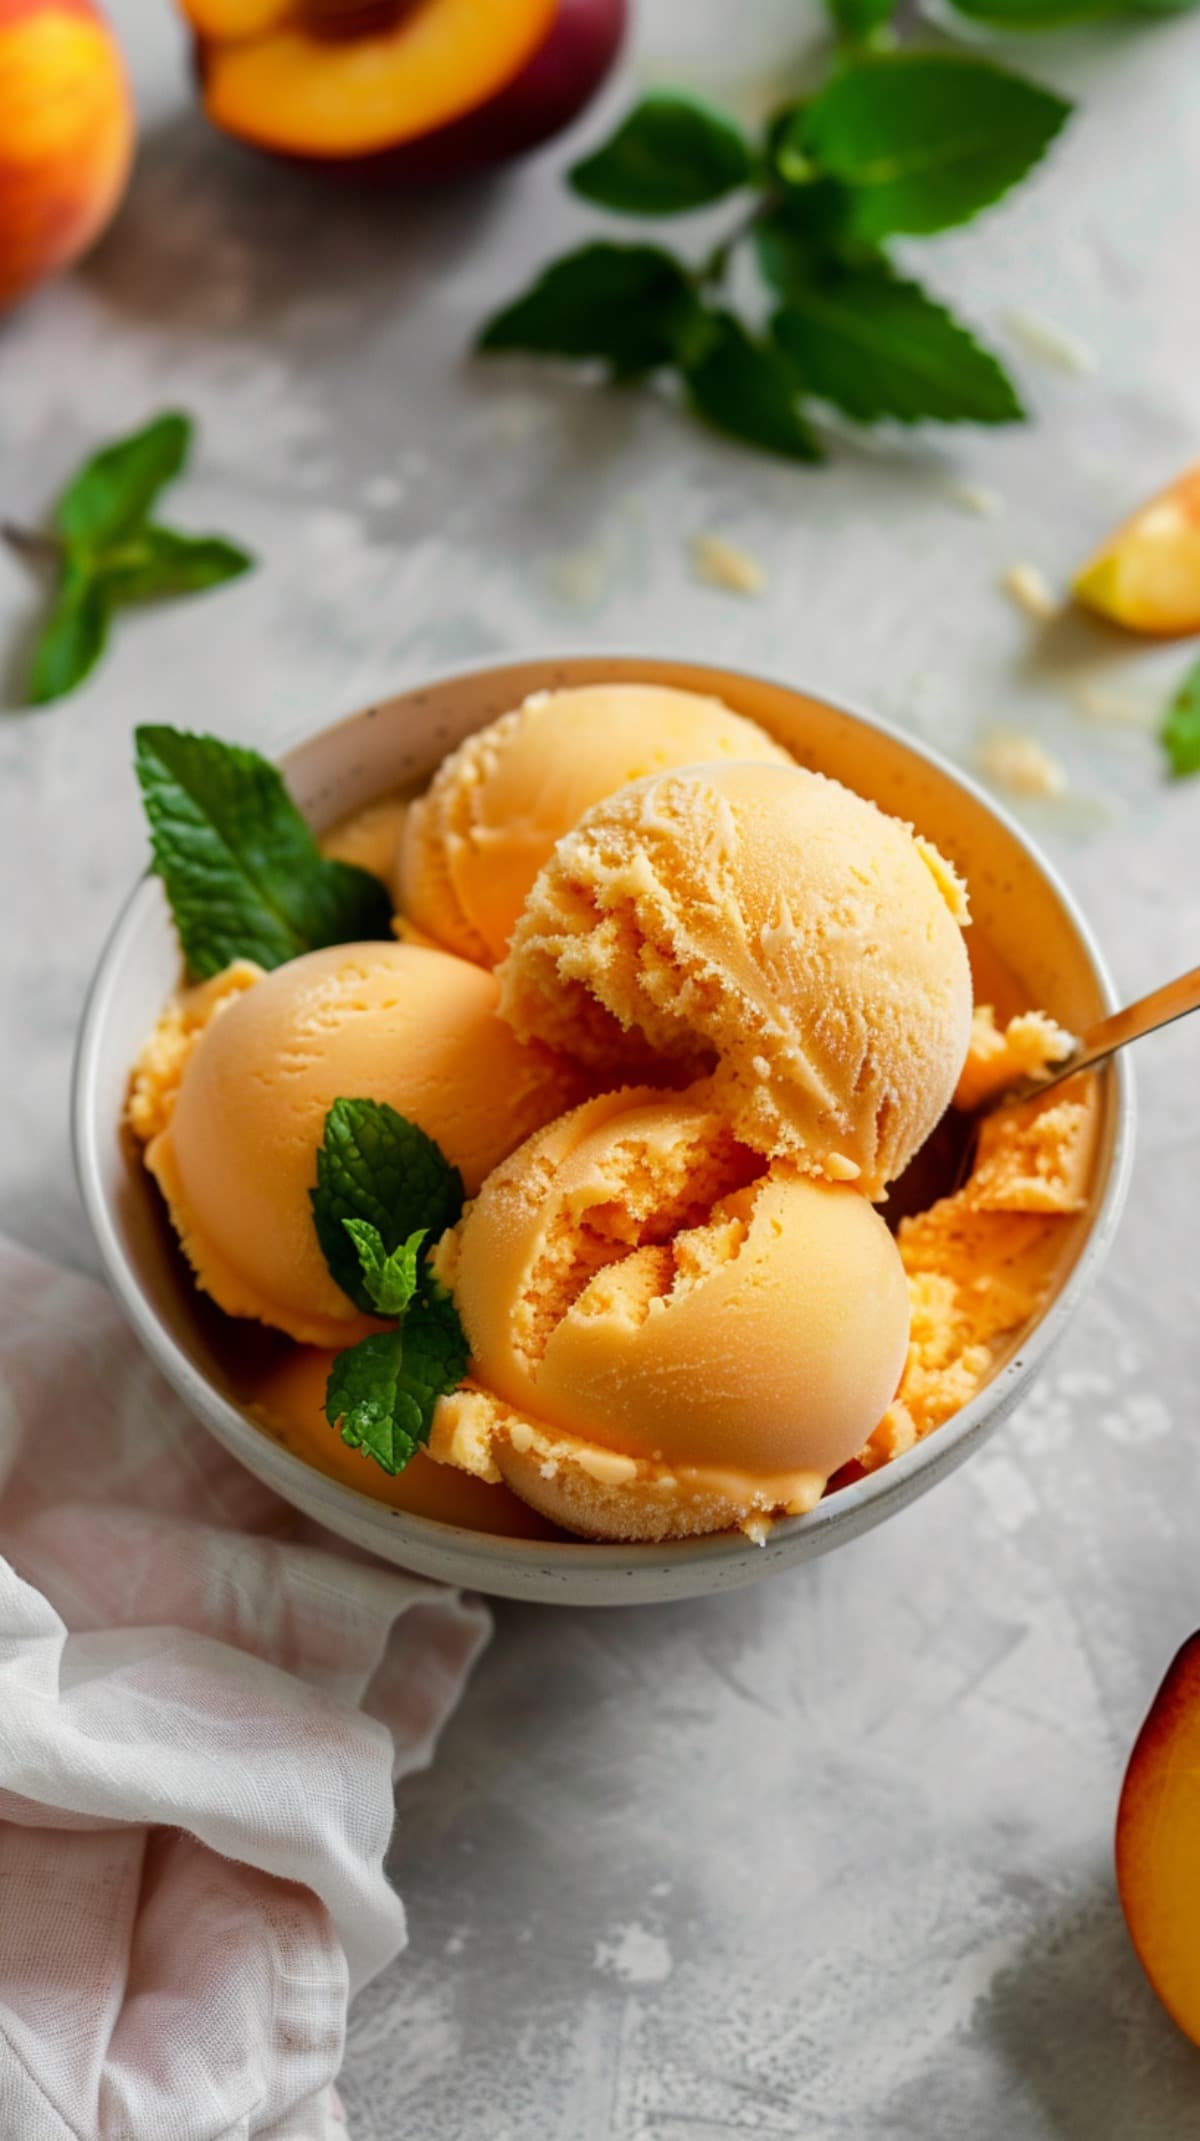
(828,1860)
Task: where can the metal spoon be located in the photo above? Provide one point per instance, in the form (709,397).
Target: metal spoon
(944,1161)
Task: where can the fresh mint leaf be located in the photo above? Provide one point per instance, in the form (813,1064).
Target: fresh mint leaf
(382,1392)
(924,140)
(877,346)
(389,1277)
(436,1352)
(1180,732)
(241,869)
(367,1399)
(115,490)
(749,390)
(110,554)
(1036,14)
(632,306)
(672,153)
(71,640)
(375,1165)
(154,563)
(861,20)
(803,233)
(382,1187)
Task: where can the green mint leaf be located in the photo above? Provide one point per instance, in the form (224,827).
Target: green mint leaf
(115,490)
(375,1165)
(382,1392)
(877,346)
(367,1399)
(389,1277)
(925,140)
(631,305)
(1036,14)
(672,153)
(1161,7)
(803,233)
(72,639)
(241,869)
(155,562)
(860,20)
(1022,15)
(436,1352)
(749,391)
(1180,732)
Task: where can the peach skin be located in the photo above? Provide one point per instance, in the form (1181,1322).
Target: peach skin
(66,136)
(1158,1842)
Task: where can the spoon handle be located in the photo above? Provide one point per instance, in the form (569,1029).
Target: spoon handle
(1174,1000)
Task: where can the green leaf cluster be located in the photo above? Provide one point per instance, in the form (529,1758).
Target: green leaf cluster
(241,869)
(383,1190)
(376,1167)
(894,143)
(1180,732)
(111,553)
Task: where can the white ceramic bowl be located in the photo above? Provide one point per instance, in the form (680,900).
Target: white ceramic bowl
(1019,905)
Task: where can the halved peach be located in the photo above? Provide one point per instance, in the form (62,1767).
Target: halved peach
(551,90)
(1158,1842)
(1146,575)
(346,78)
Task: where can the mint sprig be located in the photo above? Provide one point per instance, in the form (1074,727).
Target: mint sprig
(375,1170)
(107,554)
(1180,732)
(241,869)
(894,142)
(376,1167)
(382,1393)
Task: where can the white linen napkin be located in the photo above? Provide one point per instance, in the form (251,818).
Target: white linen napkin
(204,1701)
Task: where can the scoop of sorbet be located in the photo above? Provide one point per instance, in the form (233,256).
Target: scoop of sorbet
(668,1334)
(767,925)
(235,1150)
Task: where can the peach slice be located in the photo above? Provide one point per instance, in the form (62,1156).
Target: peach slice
(1146,575)
(1158,1842)
(339,79)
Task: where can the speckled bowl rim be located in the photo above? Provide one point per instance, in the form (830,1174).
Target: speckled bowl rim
(582,1572)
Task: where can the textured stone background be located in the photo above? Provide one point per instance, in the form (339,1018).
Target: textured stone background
(830,1858)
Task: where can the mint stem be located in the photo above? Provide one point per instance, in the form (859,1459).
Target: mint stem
(31,544)
(712,270)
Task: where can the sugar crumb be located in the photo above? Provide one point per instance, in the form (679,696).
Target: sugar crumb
(721,563)
(1021,764)
(1053,344)
(1031,591)
(977,498)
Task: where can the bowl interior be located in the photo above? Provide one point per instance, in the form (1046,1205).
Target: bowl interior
(1033,938)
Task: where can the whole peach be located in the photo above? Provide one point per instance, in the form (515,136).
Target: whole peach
(66,136)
